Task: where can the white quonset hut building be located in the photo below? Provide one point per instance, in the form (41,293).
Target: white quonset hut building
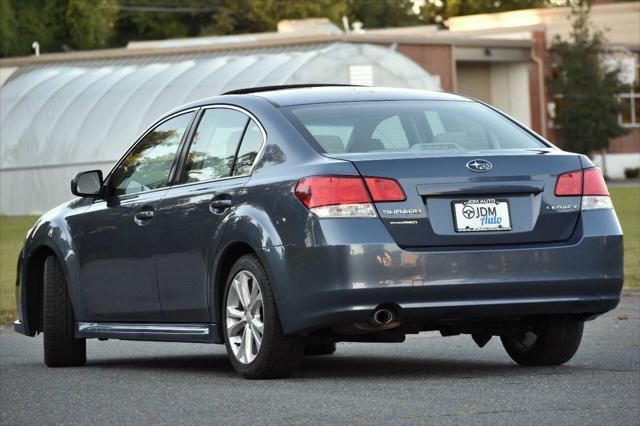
(75,112)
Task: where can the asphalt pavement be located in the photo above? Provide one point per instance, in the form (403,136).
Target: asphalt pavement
(428,379)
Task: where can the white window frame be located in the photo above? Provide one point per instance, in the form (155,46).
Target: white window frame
(631,96)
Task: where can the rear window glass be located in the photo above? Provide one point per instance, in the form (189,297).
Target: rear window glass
(409,126)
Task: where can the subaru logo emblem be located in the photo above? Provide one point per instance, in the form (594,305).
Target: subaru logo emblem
(479,166)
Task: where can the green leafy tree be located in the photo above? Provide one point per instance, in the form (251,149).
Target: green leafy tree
(251,16)
(162,19)
(383,13)
(23,22)
(588,89)
(55,24)
(8,28)
(89,23)
(437,11)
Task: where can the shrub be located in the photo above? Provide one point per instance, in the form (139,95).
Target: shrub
(632,173)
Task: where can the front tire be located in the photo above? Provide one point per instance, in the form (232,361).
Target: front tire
(255,342)
(553,341)
(61,348)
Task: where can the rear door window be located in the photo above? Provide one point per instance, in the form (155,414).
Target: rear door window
(213,148)
(249,149)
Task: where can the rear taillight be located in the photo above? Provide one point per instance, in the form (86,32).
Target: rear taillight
(384,190)
(587,183)
(594,183)
(346,196)
(569,184)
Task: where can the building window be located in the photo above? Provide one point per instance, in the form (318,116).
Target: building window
(630,101)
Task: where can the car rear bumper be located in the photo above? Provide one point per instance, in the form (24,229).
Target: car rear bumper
(330,282)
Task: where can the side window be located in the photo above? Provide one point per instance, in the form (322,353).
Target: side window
(391,134)
(251,143)
(148,165)
(214,145)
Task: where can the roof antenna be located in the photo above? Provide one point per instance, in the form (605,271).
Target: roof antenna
(36,48)
(345,24)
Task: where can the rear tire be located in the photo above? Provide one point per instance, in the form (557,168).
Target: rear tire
(276,355)
(313,349)
(61,348)
(553,341)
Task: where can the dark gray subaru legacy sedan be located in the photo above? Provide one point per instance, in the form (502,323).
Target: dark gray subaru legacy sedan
(279,221)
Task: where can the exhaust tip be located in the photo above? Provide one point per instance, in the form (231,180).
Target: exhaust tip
(383,317)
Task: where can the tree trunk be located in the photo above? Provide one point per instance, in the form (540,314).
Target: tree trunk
(603,153)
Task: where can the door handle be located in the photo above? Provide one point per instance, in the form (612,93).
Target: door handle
(220,203)
(143,216)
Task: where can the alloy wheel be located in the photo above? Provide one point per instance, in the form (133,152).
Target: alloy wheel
(244,317)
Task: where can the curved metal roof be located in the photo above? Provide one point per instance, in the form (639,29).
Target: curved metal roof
(70,115)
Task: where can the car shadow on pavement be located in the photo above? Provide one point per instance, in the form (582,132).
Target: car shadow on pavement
(340,367)
(427,368)
(212,363)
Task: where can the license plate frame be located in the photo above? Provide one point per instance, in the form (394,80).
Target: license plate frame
(469,211)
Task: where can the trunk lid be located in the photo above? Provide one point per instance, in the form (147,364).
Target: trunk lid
(524,179)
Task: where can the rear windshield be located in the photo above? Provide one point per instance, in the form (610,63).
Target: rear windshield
(409,126)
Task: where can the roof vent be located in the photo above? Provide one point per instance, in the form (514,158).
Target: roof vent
(361,75)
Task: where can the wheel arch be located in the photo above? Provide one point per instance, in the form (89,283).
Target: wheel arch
(248,230)
(270,258)
(48,238)
(32,283)
(227,258)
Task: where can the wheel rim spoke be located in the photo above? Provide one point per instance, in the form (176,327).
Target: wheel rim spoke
(258,326)
(237,328)
(255,297)
(243,317)
(233,312)
(257,338)
(237,287)
(248,344)
(244,285)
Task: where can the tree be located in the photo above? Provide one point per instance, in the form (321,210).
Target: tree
(249,16)
(89,24)
(55,24)
(22,23)
(162,19)
(8,28)
(437,11)
(588,89)
(383,13)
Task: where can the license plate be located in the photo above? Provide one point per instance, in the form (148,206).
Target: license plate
(481,215)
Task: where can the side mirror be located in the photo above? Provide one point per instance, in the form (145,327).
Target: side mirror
(87,184)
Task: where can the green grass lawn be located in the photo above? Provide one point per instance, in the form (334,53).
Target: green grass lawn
(12,232)
(627,204)
(14,228)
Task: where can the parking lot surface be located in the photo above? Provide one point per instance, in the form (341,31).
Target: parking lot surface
(428,379)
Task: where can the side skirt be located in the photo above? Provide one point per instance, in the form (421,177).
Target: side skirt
(165,332)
